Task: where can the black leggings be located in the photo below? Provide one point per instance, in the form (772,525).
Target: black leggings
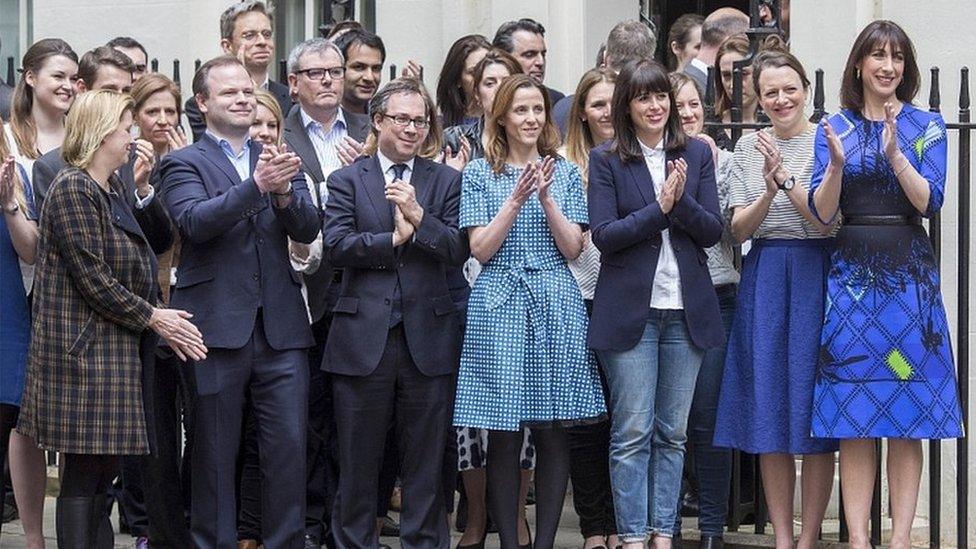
(504,478)
(88,475)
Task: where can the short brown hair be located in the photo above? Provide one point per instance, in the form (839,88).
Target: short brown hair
(377,106)
(775,57)
(200,85)
(99,57)
(733,44)
(876,35)
(628,40)
(496,140)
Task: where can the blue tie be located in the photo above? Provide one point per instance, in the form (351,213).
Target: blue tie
(396,313)
(398,170)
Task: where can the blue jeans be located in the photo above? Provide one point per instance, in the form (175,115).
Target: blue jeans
(651,389)
(712,465)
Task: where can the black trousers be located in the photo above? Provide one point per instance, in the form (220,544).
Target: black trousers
(166,475)
(364,407)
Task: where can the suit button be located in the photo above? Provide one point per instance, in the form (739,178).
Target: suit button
(400,265)
(255,276)
(386,301)
(260,241)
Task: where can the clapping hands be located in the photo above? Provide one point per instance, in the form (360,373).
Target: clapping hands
(537,176)
(275,169)
(674,186)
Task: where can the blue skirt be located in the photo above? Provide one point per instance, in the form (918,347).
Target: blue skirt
(766,397)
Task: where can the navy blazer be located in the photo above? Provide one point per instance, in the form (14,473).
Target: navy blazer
(359,238)
(234,255)
(626,223)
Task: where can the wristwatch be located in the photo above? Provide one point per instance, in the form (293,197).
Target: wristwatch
(787,184)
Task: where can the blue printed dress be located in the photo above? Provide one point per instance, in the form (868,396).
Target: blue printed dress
(885,366)
(524,361)
(14,314)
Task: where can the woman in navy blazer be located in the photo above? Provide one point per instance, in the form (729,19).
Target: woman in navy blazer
(653,209)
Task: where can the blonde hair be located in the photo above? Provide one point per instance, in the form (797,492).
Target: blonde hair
(496,140)
(268,101)
(579,135)
(93,116)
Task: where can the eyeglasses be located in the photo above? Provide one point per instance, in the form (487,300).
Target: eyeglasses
(400,120)
(334,73)
(140,69)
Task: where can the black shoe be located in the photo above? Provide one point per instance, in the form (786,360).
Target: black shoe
(10,512)
(711,542)
(476,545)
(461,515)
(72,522)
(391,528)
(311,543)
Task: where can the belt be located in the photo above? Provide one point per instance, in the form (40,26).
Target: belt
(882,220)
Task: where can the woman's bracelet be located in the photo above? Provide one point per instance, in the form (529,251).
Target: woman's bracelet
(903,168)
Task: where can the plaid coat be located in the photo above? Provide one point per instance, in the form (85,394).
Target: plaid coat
(92,294)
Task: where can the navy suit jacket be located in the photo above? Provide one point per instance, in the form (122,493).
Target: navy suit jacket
(359,239)
(234,255)
(626,223)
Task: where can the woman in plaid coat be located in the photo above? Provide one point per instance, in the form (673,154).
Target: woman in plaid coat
(93,313)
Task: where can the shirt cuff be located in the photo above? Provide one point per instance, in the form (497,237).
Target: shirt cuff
(143,202)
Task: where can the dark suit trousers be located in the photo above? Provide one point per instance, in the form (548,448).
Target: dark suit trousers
(278,381)
(364,407)
(167,474)
(322,467)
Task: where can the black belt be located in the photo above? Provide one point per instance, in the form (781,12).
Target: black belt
(882,220)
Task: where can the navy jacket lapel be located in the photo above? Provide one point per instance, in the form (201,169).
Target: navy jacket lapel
(212,152)
(642,179)
(299,142)
(420,179)
(375,183)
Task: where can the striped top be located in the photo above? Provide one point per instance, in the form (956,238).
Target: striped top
(746,183)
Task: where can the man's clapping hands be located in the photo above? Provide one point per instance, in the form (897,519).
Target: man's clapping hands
(275,169)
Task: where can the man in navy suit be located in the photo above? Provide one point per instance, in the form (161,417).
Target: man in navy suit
(247,32)
(394,343)
(236,205)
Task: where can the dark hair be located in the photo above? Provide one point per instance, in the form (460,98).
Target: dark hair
(680,31)
(127,42)
(21,122)
(450,94)
(495,138)
(775,56)
(362,37)
(503,37)
(629,40)
(200,85)
(378,105)
(738,43)
(341,26)
(721,24)
(875,35)
(100,57)
(635,79)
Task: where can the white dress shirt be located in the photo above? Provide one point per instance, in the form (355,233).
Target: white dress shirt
(666,292)
(387,166)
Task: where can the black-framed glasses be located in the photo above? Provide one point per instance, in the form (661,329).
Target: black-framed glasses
(334,73)
(400,120)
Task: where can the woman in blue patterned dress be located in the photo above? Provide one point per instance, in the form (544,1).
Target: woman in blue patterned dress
(524,360)
(886,367)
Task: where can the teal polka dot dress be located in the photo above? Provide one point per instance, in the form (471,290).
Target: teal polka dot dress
(524,361)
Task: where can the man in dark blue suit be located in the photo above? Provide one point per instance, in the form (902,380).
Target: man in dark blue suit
(236,205)
(394,343)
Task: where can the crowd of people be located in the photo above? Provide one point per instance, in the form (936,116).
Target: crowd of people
(334,290)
